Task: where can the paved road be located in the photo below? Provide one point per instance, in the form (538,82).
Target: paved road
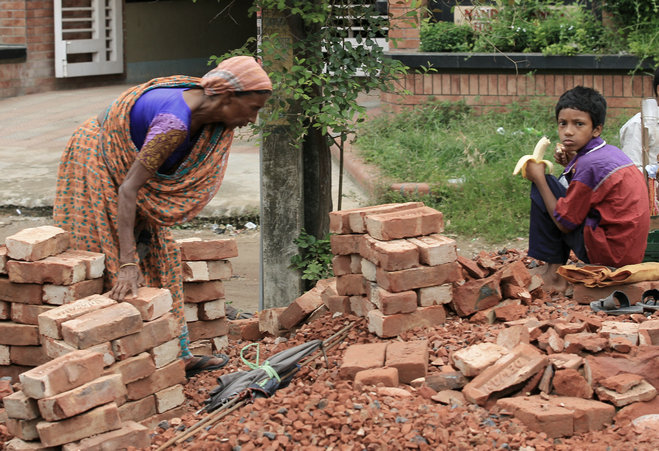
(35,128)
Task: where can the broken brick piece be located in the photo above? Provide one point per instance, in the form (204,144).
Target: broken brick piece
(475,295)
(245,329)
(569,382)
(472,360)
(388,377)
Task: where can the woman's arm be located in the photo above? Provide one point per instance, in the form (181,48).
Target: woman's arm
(129,276)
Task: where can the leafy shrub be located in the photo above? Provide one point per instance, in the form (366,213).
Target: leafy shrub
(445,37)
(314,259)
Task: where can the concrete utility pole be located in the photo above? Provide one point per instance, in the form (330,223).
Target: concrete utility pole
(282,202)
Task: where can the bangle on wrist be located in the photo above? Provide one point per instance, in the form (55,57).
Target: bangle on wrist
(127,264)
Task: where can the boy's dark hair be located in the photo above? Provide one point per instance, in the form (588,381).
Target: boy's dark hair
(584,99)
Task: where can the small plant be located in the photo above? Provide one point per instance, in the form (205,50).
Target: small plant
(314,259)
(445,37)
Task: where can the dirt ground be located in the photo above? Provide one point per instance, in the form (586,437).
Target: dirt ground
(242,291)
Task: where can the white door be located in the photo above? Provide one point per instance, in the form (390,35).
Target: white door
(88,37)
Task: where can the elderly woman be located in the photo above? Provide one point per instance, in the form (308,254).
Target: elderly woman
(154,159)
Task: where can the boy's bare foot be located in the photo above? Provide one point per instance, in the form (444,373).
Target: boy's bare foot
(552,280)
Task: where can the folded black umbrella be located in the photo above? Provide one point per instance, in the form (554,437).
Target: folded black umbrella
(262,381)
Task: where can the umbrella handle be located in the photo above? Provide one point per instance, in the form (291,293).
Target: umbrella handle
(269,370)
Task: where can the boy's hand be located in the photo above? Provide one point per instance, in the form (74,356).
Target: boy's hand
(534,171)
(561,156)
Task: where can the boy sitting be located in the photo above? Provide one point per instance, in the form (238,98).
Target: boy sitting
(599,207)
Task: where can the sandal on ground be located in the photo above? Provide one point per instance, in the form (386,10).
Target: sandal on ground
(202,364)
(616,303)
(650,300)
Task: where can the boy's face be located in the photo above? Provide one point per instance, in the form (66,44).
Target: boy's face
(575,129)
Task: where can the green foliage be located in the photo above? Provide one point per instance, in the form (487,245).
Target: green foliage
(315,258)
(317,75)
(552,27)
(445,37)
(468,160)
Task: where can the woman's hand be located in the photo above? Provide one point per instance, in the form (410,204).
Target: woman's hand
(130,278)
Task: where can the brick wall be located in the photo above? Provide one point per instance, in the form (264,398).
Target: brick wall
(12,22)
(404,28)
(623,93)
(493,87)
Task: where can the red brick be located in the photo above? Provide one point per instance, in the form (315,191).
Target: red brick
(435,249)
(385,326)
(57,348)
(345,264)
(356,217)
(424,276)
(50,323)
(4,355)
(166,353)
(5,310)
(405,224)
(151,302)
(13,371)
(410,358)
(475,295)
(387,377)
(389,255)
(169,398)
(648,333)
(340,304)
(350,285)
(55,270)
(210,310)
(575,343)
(200,330)
(269,321)
(523,362)
(303,306)
(21,407)
(62,374)
(512,336)
(3,259)
(360,306)
(172,374)
(437,295)
(245,329)
(94,261)
(510,311)
(27,313)
(37,243)
(138,410)
(26,293)
(345,244)
(637,409)
(203,291)
(97,421)
(196,249)
(28,355)
(133,368)
(18,334)
(102,325)
(66,294)
(361,357)
(95,393)
(152,334)
(621,382)
(559,416)
(131,434)
(391,303)
(23,429)
(219,269)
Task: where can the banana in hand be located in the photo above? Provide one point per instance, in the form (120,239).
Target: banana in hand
(537,155)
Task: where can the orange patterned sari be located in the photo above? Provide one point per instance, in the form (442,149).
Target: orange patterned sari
(95,163)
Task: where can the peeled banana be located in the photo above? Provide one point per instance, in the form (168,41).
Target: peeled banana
(537,155)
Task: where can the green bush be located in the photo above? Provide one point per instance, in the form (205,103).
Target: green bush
(445,37)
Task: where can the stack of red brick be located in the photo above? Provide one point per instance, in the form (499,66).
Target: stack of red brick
(129,351)
(205,266)
(392,266)
(38,271)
